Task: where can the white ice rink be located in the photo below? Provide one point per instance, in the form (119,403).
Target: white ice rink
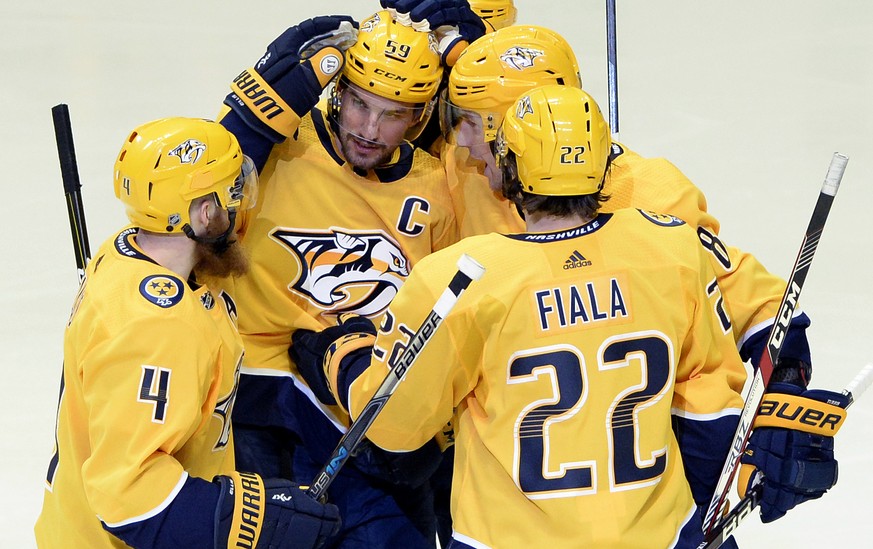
(749,98)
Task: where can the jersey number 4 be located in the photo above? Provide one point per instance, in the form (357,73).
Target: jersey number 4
(627,469)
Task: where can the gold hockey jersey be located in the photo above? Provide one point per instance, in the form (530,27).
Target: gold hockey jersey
(752,294)
(150,374)
(326,239)
(565,363)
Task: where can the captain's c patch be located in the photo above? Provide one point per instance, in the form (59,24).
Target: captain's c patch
(162,290)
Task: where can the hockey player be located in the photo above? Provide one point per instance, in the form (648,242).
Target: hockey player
(144,449)
(485,80)
(537,360)
(566,381)
(347,207)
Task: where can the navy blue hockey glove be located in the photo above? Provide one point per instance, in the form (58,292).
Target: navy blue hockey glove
(288,79)
(792,447)
(452,21)
(273,513)
(308,349)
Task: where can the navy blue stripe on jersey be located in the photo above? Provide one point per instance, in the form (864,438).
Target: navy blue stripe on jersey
(796,344)
(398,170)
(595,224)
(188,521)
(703,445)
(254,144)
(124,246)
(324,135)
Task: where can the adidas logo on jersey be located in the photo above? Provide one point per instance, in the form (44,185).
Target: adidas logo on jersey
(576,260)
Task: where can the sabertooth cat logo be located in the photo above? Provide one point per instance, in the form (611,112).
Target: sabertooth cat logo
(520,58)
(371,23)
(189,152)
(346,271)
(524,107)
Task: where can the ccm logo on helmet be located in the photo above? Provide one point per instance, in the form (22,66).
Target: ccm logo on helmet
(390,75)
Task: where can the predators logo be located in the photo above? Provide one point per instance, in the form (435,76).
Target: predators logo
(371,23)
(346,271)
(523,107)
(520,58)
(188,152)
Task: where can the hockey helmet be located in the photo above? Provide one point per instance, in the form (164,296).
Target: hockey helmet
(559,139)
(165,164)
(496,14)
(496,69)
(393,61)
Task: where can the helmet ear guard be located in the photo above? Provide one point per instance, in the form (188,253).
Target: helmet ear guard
(166,164)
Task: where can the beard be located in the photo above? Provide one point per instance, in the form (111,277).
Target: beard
(221,255)
(219,260)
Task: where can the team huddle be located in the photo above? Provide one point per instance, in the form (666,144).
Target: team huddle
(583,393)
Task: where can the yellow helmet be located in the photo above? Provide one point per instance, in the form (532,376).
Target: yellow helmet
(560,140)
(394,61)
(496,69)
(165,164)
(495,13)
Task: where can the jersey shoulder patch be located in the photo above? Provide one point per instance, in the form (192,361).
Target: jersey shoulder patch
(162,290)
(664,220)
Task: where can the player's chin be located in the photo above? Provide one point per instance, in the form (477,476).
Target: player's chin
(366,155)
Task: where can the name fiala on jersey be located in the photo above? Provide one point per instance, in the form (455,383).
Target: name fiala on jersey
(580,303)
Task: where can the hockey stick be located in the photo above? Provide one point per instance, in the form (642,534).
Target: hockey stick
(612,68)
(725,527)
(777,336)
(468,271)
(70,176)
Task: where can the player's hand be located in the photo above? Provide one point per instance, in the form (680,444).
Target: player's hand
(288,79)
(308,350)
(452,21)
(792,446)
(287,519)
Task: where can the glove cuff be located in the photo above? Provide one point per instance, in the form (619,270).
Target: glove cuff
(249,503)
(799,413)
(252,91)
(335,354)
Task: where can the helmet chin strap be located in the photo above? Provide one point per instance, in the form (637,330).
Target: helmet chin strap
(219,244)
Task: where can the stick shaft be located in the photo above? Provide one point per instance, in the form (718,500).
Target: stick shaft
(776,338)
(72,187)
(612,67)
(468,270)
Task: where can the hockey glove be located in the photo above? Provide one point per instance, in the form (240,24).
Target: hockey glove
(274,513)
(308,350)
(453,23)
(287,81)
(792,446)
